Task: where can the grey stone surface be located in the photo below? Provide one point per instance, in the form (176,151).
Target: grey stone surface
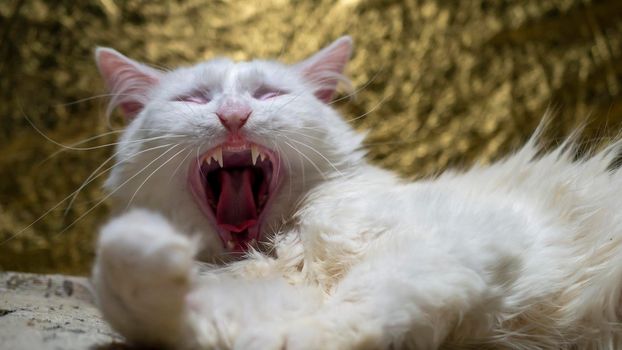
(51,312)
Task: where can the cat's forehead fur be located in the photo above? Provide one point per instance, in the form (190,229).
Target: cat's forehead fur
(222,75)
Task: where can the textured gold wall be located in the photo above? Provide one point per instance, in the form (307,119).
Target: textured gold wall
(441,84)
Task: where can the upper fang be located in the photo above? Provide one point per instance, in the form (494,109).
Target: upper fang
(217,155)
(254,154)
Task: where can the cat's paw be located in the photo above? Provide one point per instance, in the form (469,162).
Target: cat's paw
(141,249)
(143,271)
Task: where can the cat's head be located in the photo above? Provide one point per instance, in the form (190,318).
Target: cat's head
(228,149)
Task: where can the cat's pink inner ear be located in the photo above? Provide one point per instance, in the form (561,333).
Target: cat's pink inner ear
(324,70)
(127,81)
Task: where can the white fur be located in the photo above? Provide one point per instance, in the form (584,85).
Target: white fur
(523,254)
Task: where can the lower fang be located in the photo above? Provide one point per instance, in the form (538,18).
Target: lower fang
(230,245)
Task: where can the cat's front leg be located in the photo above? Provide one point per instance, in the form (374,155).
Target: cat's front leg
(142,275)
(147,287)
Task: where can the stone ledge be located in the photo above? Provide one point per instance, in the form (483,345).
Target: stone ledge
(51,312)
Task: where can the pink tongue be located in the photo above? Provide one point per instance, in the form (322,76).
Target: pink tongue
(236,209)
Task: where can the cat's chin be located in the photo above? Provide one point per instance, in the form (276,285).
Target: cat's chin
(234,184)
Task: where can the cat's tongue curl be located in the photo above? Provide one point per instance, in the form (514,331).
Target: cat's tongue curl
(233,184)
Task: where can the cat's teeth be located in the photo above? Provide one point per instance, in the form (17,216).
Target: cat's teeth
(230,245)
(254,154)
(217,155)
(262,156)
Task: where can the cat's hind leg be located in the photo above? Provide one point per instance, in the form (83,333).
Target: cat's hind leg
(142,274)
(394,302)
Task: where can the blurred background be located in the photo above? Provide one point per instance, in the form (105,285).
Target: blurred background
(440,84)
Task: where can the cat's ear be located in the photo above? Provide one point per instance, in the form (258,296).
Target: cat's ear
(324,69)
(127,80)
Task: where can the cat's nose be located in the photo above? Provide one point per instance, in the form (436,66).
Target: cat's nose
(233,114)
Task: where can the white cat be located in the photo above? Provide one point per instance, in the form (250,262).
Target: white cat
(225,158)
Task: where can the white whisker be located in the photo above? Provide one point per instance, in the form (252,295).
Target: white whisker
(88,99)
(307,158)
(116,143)
(90,178)
(289,167)
(363,87)
(317,152)
(369,111)
(150,175)
(11,237)
(118,187)
(179,166)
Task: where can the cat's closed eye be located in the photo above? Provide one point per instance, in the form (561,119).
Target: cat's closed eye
(197,96)
(267,92)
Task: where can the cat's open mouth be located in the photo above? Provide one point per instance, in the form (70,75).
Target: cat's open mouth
(234,184)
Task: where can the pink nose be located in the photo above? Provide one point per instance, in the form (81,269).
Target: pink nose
(233,114)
